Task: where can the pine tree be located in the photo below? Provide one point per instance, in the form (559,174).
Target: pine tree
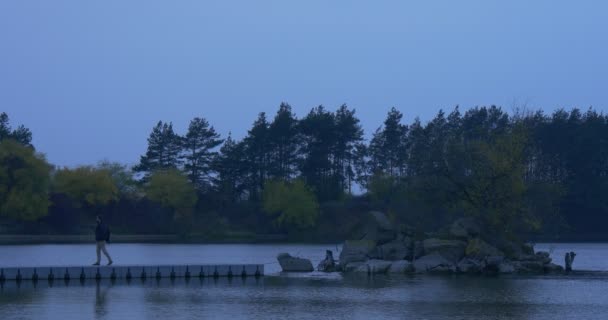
(198,151)
(163,152)
(283,138)
(257,155)
(231,167)
(22,134)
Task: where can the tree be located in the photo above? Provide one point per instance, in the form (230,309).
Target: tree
(164,147)
(172,190)
(292,203)
(318,131)
(387,148)
(86,186)
(24,182)
(122,177)
(257,155)
(232,168)
(21,134)
(199,144)
(349,137)
(283,140)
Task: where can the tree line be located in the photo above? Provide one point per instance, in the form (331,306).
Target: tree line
(311,178)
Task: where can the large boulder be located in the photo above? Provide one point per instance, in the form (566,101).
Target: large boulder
(351,266)
(433,262)
(379,228)
(479,249)
(553,268)
(467,265)
(465,228)
(374,267)
(506,267)
(453,250)
(294,264)
(394,250)
(356,251)
(401,267)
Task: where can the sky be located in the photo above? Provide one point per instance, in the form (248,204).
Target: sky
(91,78)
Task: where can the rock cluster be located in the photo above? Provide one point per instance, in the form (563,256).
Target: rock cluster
(384,249)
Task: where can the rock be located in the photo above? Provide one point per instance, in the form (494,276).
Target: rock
(464,228)
(453,250)
(467,265)
(294,264)
(328,264)
(492,263)
(356,251)
(529,266)
(394,250)
(479,249)
(553,268)
(401,267)
(379,228)
(374,267)
(544,257)
(432,262)
(351,266)
(418,249)
(381,221)
(506,267)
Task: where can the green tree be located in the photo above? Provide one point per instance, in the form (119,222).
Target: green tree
(231,167)
(293,203)
(122,177)
(172,189)
(199,145)
(318,131)
(387,149)
(349,137)
(164,147)
(283,142)
(24,182)
(21,134)
(257,154)
(86,186)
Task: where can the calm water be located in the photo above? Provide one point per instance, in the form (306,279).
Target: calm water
(312,296)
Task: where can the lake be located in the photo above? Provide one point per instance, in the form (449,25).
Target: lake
(297,296)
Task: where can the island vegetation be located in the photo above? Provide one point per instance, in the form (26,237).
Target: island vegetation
(315,178)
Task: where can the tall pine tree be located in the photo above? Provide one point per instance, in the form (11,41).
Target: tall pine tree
(163,152)
(199,146)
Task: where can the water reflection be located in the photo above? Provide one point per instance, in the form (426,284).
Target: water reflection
(101,302)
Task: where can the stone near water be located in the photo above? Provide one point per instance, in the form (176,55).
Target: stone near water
(294,264)
(479,249)
(465,228)
(432,262)
(356,251)
(453,250)
(374,267)
(401,267)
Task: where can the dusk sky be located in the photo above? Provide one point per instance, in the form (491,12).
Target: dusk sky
(91,78)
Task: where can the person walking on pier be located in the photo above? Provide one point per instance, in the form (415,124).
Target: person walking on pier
(102,235)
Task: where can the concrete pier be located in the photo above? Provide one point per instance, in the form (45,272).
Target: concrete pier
(129,272)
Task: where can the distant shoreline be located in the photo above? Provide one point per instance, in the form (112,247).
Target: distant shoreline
(20,239)
(14,239)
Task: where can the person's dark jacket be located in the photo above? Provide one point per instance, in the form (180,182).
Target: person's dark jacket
(102,232)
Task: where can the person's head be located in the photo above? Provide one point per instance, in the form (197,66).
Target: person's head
(98,219)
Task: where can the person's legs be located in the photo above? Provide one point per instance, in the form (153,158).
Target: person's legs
(105,252)
(98,251)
